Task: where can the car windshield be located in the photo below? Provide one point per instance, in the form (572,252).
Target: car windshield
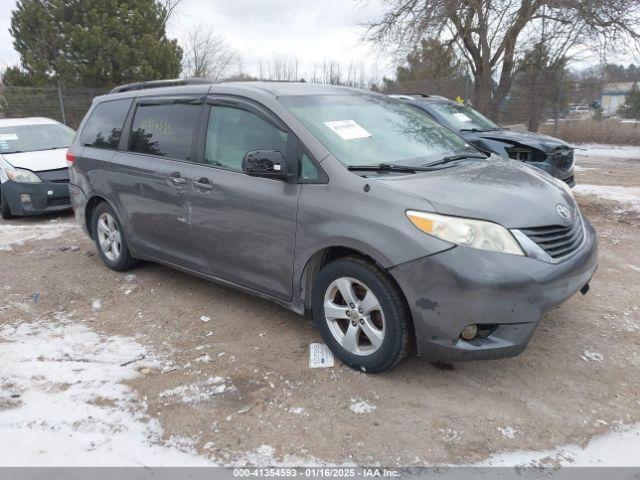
(463,117)
(30,138)
(370,129)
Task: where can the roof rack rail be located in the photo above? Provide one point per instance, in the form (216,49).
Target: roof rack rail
(161,83)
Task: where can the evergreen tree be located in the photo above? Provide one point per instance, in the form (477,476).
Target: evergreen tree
(91,43)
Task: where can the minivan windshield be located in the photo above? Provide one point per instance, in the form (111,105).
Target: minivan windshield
(371,130)
(30,138)
(463,117)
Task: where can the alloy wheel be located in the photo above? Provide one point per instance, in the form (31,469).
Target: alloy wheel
(354,316)
(109,237)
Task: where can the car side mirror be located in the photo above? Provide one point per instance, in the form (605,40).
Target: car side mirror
(265,163)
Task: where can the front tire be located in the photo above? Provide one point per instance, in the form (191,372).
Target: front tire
(5,210)
(361,314)
(109,238)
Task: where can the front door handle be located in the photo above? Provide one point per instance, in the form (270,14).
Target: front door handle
(203,185)
(176,180)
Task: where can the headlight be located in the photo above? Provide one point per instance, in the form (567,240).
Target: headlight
(22,176)
(467,232)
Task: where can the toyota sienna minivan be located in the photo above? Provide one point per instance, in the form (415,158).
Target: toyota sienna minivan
(394,232)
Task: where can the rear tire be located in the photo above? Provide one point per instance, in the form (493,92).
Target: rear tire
(110,240)
(5,210)
(371,329)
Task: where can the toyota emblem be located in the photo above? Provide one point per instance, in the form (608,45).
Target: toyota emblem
(563,211)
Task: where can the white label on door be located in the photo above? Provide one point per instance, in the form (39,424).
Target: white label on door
(320,356)
(8,136)
(462,117)
(348,129)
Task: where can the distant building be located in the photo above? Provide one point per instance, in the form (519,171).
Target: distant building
(614,95)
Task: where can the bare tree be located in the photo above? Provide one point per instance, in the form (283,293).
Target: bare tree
(492,35)
(280,68)
(206,55)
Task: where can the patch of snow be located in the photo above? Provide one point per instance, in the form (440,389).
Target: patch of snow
(450,435)
(70,405)
(204,358)
(627,196)
(298,411)
(508,432)
(96,304)
(197,392)
(16,235)
(130,277)
(264,456)
(618,448)
(610,151)
(591,356)
(634,268)
(362,407)
(204,318)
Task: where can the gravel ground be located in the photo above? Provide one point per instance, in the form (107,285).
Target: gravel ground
(217,374)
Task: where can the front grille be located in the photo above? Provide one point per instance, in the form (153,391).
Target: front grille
(60,175)
(563,159)
(520,154)
(58,202)
(557,240)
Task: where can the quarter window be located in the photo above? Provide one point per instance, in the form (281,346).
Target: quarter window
(308,170)
(104,127)
(164,130)
(233,132)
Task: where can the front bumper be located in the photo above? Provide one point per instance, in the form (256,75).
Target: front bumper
(565,175)
(43,197)
(462,286)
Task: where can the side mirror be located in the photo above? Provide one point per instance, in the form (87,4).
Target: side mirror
(265,163)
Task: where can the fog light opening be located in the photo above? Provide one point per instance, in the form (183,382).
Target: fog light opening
(469,332)
(25,198)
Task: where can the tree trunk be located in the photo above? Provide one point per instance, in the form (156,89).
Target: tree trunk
(482,93)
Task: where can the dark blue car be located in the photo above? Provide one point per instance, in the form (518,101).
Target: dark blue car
(547,153)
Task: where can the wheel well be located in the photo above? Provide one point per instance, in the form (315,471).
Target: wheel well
(319,260)
(88,211)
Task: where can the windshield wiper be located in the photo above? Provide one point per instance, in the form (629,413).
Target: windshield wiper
(494,129)
(455,157)
(389,167)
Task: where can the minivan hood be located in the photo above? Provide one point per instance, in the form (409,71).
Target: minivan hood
(542,142)
(38,161)
(499,190)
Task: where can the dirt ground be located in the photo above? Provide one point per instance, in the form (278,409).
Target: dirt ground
(579,377)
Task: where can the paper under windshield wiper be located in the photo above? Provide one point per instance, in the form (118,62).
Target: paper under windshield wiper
(454,157)
(388,167)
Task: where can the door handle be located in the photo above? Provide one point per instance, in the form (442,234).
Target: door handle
(202,185)
(176,180)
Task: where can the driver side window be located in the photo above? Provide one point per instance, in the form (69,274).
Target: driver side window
(232,132)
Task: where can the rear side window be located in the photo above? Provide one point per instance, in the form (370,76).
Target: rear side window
(104,127)
(164,130)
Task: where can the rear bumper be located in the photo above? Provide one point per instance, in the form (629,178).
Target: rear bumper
(462,286)
(79,203)
(42,197)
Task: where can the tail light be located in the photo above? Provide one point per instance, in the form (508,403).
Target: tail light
(70,158)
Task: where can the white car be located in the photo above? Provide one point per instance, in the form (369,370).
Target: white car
(34,176)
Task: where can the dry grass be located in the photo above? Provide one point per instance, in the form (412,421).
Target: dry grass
(591,131)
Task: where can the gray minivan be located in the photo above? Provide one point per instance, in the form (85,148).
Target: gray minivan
(393,231)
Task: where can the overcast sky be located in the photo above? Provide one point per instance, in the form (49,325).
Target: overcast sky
(310,30)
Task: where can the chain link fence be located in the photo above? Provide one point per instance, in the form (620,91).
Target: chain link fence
(548,109)
(66,105)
